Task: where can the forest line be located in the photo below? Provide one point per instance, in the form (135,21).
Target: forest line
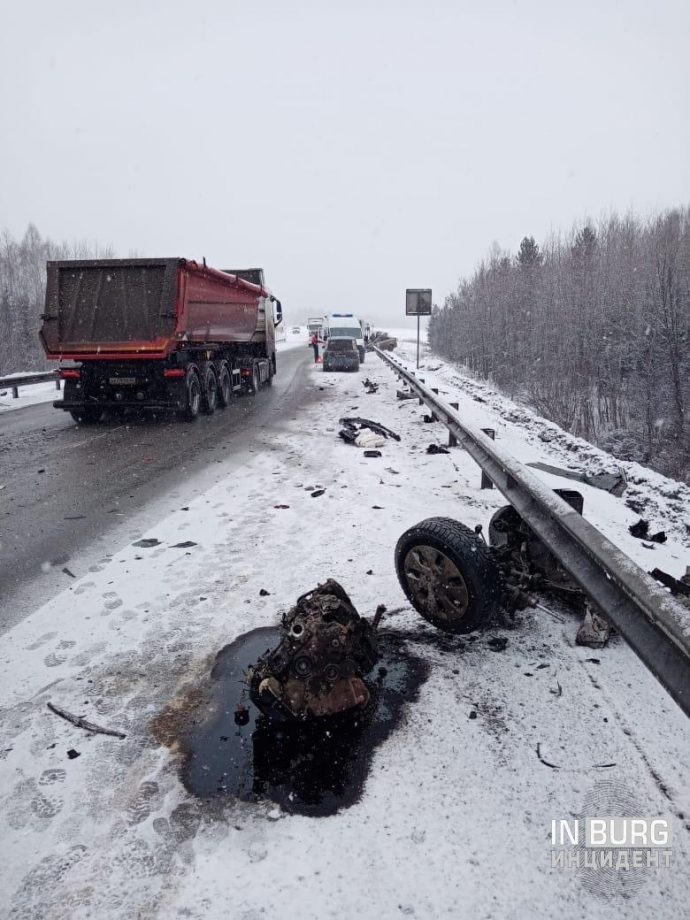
(590,329)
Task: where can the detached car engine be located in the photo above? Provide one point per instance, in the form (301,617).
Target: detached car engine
(317,669)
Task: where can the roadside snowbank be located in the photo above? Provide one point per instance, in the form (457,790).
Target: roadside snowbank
(28,396)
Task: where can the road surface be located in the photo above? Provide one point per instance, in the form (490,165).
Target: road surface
(72,494)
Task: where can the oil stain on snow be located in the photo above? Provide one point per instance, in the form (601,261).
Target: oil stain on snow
(313,768)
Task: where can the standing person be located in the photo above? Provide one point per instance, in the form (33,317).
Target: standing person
(314,342)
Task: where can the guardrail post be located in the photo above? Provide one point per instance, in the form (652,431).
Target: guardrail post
(452,440)
(15,392)
(57,383)
(486,483)
(433,414)
(421,401)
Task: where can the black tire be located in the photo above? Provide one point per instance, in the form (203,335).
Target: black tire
(224,386)
(192,386)
(86,416)
(209,394)
(472,588)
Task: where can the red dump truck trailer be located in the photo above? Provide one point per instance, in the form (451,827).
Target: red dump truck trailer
(165,334)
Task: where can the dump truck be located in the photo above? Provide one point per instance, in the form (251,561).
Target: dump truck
(157,334)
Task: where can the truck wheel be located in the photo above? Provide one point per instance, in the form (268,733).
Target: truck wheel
(192,396)
(86,416)
(449,575)
(209,396)
(224,386)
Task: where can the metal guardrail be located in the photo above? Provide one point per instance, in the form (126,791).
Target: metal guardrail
(23,380)
(655,626)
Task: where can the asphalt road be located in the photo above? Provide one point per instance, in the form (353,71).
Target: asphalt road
(70,492)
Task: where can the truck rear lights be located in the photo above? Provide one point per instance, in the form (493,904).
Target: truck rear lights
(69,374)
(246,372)
(174,372)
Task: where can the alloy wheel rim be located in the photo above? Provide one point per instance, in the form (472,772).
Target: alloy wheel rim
(435,583)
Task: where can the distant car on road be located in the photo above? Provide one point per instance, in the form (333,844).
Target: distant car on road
(341,354)
(296,330)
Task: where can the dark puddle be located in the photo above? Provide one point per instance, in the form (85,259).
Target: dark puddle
(312,769)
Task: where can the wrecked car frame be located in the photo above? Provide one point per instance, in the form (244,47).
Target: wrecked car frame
(642,611)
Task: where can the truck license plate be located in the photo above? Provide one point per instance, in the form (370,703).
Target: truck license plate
(122,381)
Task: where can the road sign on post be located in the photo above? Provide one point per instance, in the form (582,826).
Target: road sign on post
(418,303)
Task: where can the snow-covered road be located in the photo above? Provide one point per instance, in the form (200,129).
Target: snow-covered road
(456,812)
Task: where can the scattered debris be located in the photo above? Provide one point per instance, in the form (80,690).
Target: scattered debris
(353,426)
(473,714)
(370,386)
(373,453)
(641,530)
(67,572)
(677,586)
(430,418)
(497,643)
(401,394)
(83,723)
(72,754)
(594,631)
(281,506)
(377,508)
(317,492)
(368,439)
(436,449)
(147,542)
(185,545)
(546,762)
(318,667)
(264,593)
(615,483)
(383,341)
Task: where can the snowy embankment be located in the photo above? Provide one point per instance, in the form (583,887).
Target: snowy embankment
(457,808)
(28,395)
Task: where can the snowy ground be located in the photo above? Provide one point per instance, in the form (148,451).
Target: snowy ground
(28,396)
(456,812)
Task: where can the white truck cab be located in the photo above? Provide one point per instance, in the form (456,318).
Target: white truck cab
(345,325)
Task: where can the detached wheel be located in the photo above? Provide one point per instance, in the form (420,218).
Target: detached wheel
(224,386)
(192,386)
(209,398)
(86,416)
(449,575)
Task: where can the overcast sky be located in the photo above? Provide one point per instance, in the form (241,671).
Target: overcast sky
(352,149)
